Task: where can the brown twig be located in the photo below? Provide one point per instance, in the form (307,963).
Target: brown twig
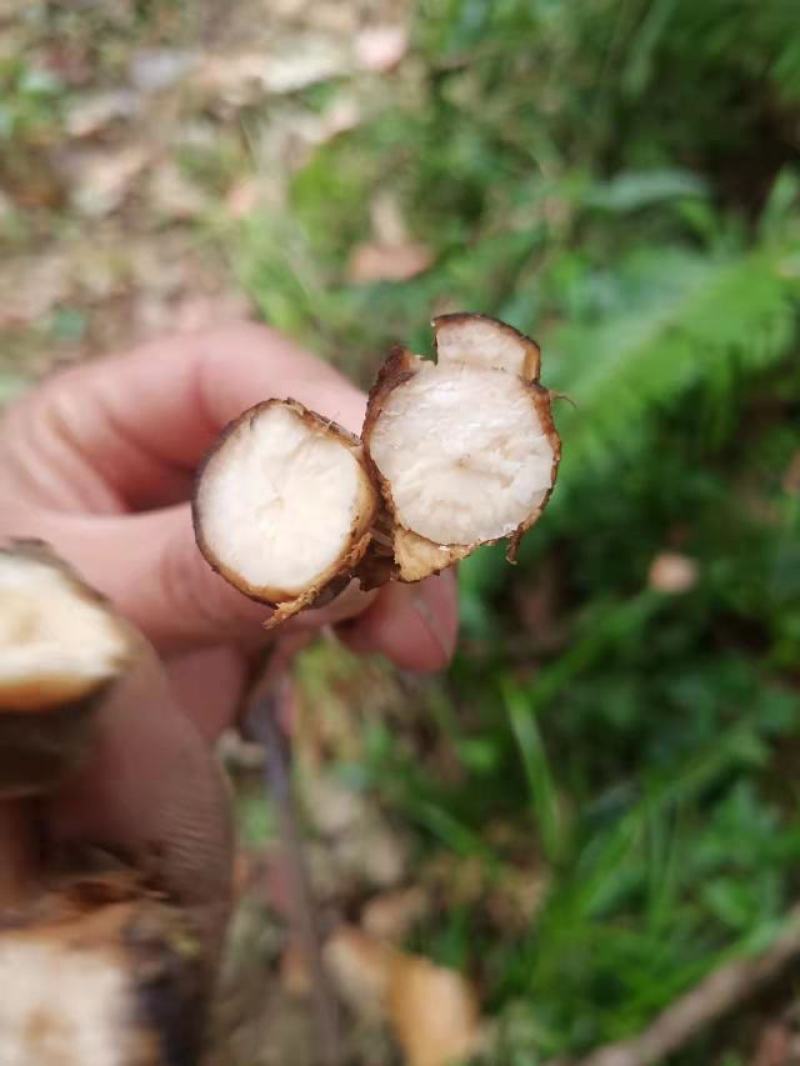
(715,995)
(262,724)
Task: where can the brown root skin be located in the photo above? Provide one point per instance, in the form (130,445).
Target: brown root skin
(284,602)
(415,557)
(99,961)
(543,399)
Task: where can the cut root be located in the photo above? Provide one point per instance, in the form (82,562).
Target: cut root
(99,972)
(464,449)
(58,640)
(457,453)
(284,505)
(61,646)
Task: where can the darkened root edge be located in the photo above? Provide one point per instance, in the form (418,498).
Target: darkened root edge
(339,572)
(414,557)
(542,399)
(154,943)
(532,365)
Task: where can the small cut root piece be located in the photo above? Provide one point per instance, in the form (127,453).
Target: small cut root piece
(101,973)
(61,646)
(465,450)
(284,505)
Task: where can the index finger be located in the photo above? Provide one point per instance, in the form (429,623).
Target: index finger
(140,422)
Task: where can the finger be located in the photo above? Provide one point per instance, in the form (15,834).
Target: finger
(149,566)
(129,431)
(151,792)
(208,684)
(416,626)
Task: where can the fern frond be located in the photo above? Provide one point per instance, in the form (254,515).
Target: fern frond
(715,321)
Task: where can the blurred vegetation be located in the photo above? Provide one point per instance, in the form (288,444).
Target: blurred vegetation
(619,178)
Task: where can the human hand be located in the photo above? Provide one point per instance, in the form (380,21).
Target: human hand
(99,462)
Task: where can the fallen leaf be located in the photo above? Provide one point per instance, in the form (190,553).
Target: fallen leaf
(381,48)
(433,1011)
(92,112)
(101,180)
(173,196)
(373,854)
(392,915)
(363,847)
(243,78)
(360,967)
(382,262)
(672,573)
(154,69)
(332,808)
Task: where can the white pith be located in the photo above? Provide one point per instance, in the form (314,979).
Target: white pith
(464,452)
(278,501)
(480,343)
(61,1007)
(56,643)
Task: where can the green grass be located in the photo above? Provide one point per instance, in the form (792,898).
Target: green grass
(649,746)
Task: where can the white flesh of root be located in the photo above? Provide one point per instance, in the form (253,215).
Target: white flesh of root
(465,448)
(110,978)
(456,454)
(464,453)
(61,1006)
(284,504)
(58,642)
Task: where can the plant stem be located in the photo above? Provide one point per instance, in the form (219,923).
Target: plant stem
(263,724)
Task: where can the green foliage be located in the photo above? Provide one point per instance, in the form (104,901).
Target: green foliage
(617,179)
(29,101)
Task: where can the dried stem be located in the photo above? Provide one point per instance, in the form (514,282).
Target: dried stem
(724,988)
(262,723)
